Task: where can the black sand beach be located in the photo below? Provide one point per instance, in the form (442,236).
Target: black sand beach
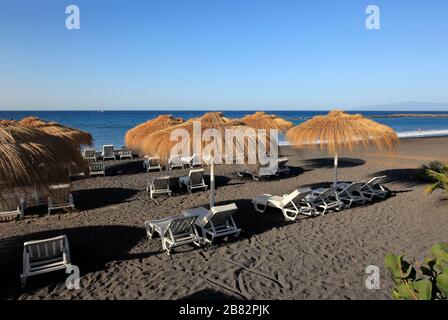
(315,258)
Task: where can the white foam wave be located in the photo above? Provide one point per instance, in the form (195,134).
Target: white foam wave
(404,134)
(426,133)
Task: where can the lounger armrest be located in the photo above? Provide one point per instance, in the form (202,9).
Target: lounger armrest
(159,220)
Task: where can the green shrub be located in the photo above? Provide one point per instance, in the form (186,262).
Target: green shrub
(430,282)
(437,172)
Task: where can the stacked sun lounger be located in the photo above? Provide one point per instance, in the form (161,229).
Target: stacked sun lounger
(319,201)
(265,171)
(198,226)
(108,152)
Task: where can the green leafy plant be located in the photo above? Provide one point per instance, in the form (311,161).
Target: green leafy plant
(429,282)
(437,172)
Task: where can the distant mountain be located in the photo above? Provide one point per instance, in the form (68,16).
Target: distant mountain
(406,106)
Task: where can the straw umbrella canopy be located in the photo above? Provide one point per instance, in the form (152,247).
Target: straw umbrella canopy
(77,136)
(160,143)
(262,120)
(135,136)
(31,157)
(338,131)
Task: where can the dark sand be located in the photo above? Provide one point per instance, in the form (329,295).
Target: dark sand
(315,258)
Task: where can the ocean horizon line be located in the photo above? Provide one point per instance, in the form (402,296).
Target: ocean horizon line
(223,110)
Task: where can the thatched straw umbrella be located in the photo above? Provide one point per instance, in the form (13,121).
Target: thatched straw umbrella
(262,120)
(31,157)
(339,131)
(160,143)
(135,136)
(77,136)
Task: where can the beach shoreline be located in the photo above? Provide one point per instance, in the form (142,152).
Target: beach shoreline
(315,258)
(402,136)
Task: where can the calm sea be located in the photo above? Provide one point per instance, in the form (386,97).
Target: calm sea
(109,127)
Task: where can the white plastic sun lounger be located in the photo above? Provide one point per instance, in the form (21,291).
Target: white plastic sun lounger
(259,172)
(89,154)
(11,206)
(159,185)
(175,162)
(193,161)
(216,222)
(282,167)
(174,231)
(97,169)
(152,163)
(373,188)
(194,180)
(196,161)
(350,193)
(44,256)
(125,153)
(60,198)
(291,204)
(74,172)
(108,152)
(40,197)
(324,199)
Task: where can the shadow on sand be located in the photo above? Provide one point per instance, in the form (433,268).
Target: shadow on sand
(89,199)
(329,163)
(91,248)
(125,167)
(409,177)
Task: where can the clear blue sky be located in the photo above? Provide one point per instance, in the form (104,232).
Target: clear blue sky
(228,54)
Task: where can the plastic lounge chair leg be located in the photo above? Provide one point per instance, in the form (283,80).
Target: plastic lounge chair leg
(150,232)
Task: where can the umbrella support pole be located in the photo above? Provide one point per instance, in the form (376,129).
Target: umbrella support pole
(335,169)
(212,184)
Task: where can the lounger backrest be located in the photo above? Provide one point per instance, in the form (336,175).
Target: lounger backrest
(108,150)
(196,177)
(9,202)
(282,162)
(355,186)
(60,193)
(295,196)
(220,214)
(268,170)
(176,160)
(72,169)
(89,153)
(196,160)
(153,161)
(376,181)
(181,224)
(40,195)
(161,183)
(46,249)
(328,193)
